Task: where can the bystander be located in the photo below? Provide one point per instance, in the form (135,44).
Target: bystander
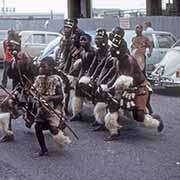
(148,26)
(7,57)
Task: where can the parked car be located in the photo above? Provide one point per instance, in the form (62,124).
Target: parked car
(161,41)
(32,42)
(167,72)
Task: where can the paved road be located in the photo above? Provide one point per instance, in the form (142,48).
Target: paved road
(140,154)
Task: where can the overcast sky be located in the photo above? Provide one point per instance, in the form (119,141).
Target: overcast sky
(60,5)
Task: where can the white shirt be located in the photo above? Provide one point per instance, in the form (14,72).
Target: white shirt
(149,29)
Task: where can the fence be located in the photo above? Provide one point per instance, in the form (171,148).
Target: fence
(161,23)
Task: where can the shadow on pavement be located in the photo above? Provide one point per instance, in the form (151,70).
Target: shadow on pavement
(168,92)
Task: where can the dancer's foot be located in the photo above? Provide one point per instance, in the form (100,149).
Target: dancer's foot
(7,138)
(114,137)
(43,152)
(101,127)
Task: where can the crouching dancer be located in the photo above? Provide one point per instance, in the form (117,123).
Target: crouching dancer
(107,73)
(129,73)
(49,87)
(87,84)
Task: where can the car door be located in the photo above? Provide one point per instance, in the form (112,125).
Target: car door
(35,43)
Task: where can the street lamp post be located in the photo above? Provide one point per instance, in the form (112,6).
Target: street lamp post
(3,6)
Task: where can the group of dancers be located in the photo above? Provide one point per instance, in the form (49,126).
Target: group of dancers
(52,93)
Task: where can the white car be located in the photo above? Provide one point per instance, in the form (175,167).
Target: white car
(167,73)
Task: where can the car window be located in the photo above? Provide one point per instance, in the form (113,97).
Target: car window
(39,38)
(29,40)
(51,37)
(165,40)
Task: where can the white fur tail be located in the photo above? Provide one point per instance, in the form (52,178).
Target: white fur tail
(111,123)
(61,139)
(100,112)
(151,122)
(4,123)
(77,103)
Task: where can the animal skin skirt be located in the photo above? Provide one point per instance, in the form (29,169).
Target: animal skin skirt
(142,95)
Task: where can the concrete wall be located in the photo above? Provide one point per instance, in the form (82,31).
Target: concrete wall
(22,24)
(161,23)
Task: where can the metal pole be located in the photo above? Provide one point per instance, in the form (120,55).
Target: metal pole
(3,5)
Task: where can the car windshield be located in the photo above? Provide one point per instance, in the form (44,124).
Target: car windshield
(50,48)
(171,61)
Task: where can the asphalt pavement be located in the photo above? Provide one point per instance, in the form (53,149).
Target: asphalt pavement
(139,154)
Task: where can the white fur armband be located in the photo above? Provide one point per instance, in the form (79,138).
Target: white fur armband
(123,82)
